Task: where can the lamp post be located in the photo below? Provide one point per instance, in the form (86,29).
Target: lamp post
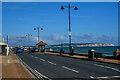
(38,32)
(7,39)
(29,38)
(75,8)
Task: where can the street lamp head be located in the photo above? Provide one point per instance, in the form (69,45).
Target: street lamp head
(41,28)
(26,35)
(34,28)
(62,7)
(75,8)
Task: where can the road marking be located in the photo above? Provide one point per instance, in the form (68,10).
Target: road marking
(31,56)
(26,67)
(70,69)
(99,65)
(115,69)
(51,63)
(109,77)
(108,67)
(102,77)
(42,59)
(91,77)
(41,74)
(36,57)
(116,76)
(8,61)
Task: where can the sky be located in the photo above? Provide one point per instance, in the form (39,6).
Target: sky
(0,20)
(59,0)
(93,22)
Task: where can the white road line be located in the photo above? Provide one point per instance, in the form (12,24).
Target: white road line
(115,69)
(102,77)
(42,59)
(116,76)
(41,74)
(70,69)
(99,65)
(108,67)
(51,63)
(31,56)
(36,57)
(92,77)
(8,61)
(109,77)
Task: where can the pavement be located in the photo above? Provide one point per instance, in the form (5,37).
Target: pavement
(53,66)
(13,69)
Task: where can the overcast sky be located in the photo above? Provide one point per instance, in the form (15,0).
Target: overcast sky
(92,22)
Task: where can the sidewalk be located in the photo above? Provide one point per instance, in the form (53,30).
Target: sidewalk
(12,69)
(85,57)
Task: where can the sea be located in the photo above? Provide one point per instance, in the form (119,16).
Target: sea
(106,50)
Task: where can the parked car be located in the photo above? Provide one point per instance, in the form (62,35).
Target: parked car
(18,50)
(25,49)
(34,49)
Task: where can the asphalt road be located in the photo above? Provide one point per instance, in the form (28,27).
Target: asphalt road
(53,67)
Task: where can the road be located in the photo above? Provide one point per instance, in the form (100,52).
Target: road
(52,66)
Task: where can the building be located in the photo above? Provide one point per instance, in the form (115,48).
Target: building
(2,47)
(41,46)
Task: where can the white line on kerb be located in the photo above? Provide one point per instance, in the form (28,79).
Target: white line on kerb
(42,59)
(41,74)
(51,63)
(70,69)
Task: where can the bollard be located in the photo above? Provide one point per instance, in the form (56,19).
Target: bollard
(72,51)
(60,51)
(91,54)
(104,57)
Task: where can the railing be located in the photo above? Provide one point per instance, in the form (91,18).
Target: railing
(96,54)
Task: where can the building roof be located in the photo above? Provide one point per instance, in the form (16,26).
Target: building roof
(2,44)
(41,43)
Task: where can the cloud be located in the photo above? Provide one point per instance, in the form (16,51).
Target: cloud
(17,40)
(57,39)
(85,38)
(52,39)
(89,38)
